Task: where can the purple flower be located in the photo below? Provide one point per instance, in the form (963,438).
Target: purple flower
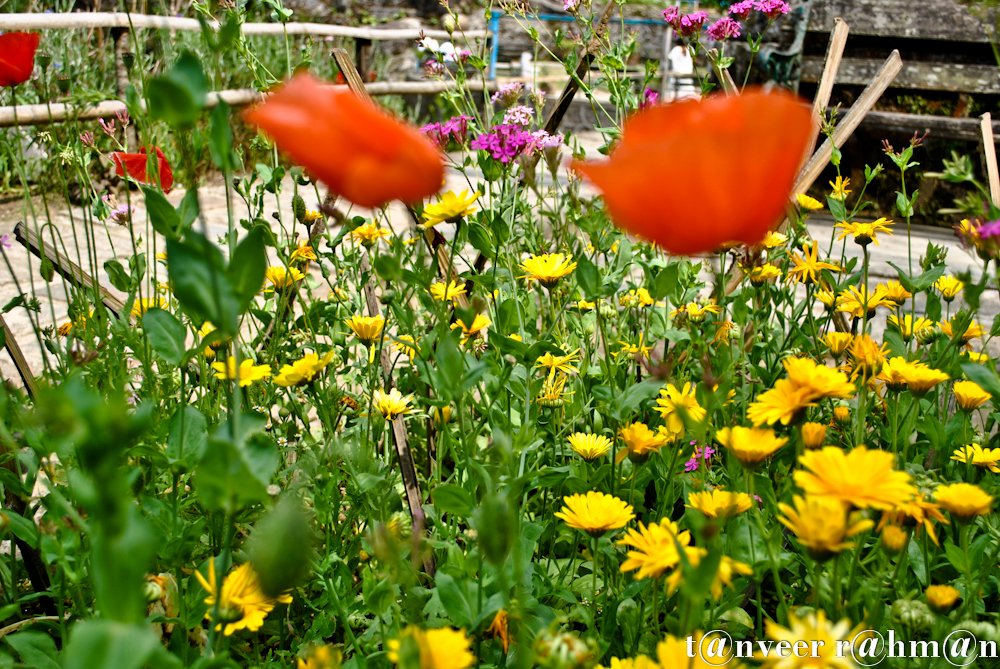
(773,8)
(570,5)
(691,465)
(433,68)
(433,132)
(122,215)
(742,9)
(87,138)
(504,142)
(456,127)
(108,128)
(724,29)
(649,98)
(672,15)
(691,23)
(122,115)
(508,94)
(5,241)
(991,229)
(518,115)
(541,140)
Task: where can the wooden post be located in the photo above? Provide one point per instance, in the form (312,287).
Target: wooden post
(9,343)
(893,64)
(722,74)
(409,471)
(582,68)
(990,151)
(834,54)
(363,57)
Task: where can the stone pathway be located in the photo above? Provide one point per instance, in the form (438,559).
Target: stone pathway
(115,241)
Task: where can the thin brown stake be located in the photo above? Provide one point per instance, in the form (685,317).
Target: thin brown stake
(990,151)
(410,481)
(18,357)
(592,48)
(834,54)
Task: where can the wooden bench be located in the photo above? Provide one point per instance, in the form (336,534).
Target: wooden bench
(943,45)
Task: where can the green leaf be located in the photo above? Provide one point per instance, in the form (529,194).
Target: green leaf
(377,593)
(665,282)
(104,644)
(166,335)
(450,498)
(387,267)
(453,599)
(188,437)
(188,211)
(162,216)
(22,528)
(220,135)
(37,650)
(956,557)
(837,209)
(281,547)
(588,277)
(983,376)
(479,237)
(196,271)
(247,267)
(179,96)
(904,278)
(118,276)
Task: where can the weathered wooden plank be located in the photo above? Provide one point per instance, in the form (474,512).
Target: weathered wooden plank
(939,126)
(927,19)
(954,77)
(831,66)
(17,356)
(66,267)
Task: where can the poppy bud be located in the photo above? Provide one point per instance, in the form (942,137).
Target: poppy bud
(128,60)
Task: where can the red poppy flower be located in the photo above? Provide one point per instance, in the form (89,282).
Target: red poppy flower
(359,151)
(694,175)
(135,164)
(17,57)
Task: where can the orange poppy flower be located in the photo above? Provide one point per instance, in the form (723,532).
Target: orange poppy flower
(359,151)
(17,57)
(135,164)
(694,175)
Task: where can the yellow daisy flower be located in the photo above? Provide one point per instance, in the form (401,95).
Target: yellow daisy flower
(963,500)
(942,598)
(242,604)
(728,569)
(248,371)
(590,447)
(895,293)
(368,329)
(450,207)
(369,233)
(949,286)
(655,548)
(441,648)
(807,267)
(750,445)
(547,268)
(815,631)
(281,277)
(809,203)
(445,293)
(839,187)
(640,442)
(719,503)
(674,404)
(322,657)
(865,233)
(822,525)
(392,404)
(862,478)
(473,331)
(595,513)
(974,454)
(303,371)
(969,395)
(837,342)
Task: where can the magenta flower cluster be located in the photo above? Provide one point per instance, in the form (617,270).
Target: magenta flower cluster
(454,129)
(699,454)
(687,25)
(508,94)
(723,29)
(506,142)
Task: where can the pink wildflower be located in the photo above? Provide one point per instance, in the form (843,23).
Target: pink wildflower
(773,8)
(691,23)
(724,29)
